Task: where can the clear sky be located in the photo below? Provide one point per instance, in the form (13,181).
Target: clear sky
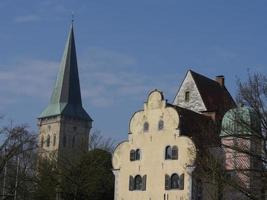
(125,49)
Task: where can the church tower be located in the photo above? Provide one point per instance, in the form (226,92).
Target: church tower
(64,125)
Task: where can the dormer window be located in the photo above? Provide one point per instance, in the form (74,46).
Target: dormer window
(186,96)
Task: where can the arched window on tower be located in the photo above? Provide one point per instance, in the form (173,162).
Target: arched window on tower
(48,141)
(146,127)
(42,141)
(54,140)
(175,153)
(168,153)
(174,181)
(160,125)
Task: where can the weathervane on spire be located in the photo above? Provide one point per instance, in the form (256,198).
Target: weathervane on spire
(72,17)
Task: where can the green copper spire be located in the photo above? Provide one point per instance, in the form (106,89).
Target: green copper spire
(66,96)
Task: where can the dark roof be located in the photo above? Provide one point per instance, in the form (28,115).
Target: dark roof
(199,127)
(214,96)
(66,97)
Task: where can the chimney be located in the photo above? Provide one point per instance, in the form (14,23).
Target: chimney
(220,80)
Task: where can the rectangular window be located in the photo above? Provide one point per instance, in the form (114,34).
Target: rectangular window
(187,96)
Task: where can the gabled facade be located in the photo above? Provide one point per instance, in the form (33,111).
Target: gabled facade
(159,161)
(64,125)
(204,95)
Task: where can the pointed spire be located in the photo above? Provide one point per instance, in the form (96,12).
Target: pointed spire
(66,96)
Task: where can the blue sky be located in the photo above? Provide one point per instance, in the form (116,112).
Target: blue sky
(125,49)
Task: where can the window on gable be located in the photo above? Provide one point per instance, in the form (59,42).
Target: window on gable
(146,127)
(161,125)
(131,183)
(167,182)
(138,183)
(174,153)
(132,155)
(181,182)
(187,96)
(137,154)
(174,181)
(168,153)
(171,153)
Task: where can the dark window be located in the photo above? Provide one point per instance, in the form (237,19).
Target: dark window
(131,183)
(167,182)
(137,154)
(48,141)
(132,155)
(144,183)
(64,140)
(146,126)
(73,141)
(174,181)
(181,182)
(138,183)
(187,96)
(175,153)
(54,140)
(42,141)
(168,153)
(161,125)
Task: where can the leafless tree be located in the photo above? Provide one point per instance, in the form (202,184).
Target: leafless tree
(251,144)
(17,147)
(98,141)
(253,93)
